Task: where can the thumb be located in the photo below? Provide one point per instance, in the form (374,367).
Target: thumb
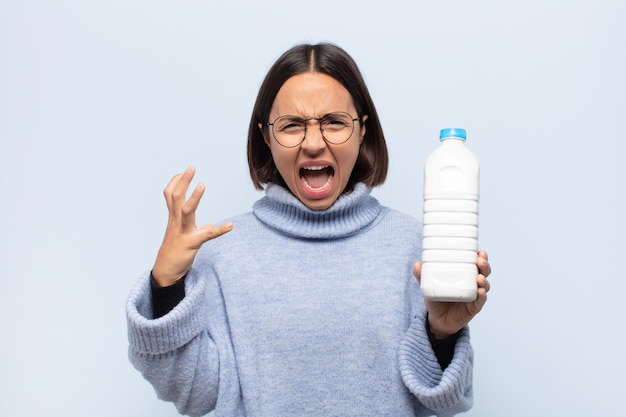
(212,232)
(417,271)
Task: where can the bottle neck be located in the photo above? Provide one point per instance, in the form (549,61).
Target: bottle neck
(453,140)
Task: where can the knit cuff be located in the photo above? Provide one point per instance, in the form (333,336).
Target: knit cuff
(437,389)
(151,336)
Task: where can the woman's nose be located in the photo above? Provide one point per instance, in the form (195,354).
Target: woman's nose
(313,139)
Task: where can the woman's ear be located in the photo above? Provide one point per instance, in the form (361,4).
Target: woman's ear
(266,138)
(362,125)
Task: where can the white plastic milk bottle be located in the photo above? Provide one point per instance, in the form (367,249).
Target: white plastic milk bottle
(451,179)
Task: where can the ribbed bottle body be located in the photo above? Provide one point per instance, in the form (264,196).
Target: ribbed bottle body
(450,238)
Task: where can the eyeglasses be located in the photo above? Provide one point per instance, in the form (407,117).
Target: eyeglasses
(290,131)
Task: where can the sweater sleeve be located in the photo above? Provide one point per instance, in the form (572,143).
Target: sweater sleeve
(446,392)
(175,352)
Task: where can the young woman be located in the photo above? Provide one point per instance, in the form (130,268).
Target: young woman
(310,304)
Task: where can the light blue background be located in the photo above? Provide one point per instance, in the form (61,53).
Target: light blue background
(101,102)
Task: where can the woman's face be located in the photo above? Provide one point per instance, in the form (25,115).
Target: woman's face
(315,171)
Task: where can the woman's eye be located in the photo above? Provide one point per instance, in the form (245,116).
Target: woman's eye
(334,124)
(292,127)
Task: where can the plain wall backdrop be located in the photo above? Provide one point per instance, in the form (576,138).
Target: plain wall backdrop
(101,102)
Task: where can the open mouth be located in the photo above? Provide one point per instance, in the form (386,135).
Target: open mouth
(317,177)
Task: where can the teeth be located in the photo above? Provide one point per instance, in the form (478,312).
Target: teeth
(317,168)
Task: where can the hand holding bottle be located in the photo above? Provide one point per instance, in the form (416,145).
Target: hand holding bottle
(447,318)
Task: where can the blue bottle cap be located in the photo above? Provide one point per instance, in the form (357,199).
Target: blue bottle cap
(454,132)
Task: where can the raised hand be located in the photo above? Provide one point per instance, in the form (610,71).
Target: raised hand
(182,238)
(447,318)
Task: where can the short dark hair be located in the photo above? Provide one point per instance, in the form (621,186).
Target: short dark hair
(325,58)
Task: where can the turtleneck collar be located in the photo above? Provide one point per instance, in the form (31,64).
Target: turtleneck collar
(352,212)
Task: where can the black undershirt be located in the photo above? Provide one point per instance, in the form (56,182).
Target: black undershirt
(164,299)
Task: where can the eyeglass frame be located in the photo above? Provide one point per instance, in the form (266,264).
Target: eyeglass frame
(319,123)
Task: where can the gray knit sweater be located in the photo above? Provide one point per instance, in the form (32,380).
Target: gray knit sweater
(297,312)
